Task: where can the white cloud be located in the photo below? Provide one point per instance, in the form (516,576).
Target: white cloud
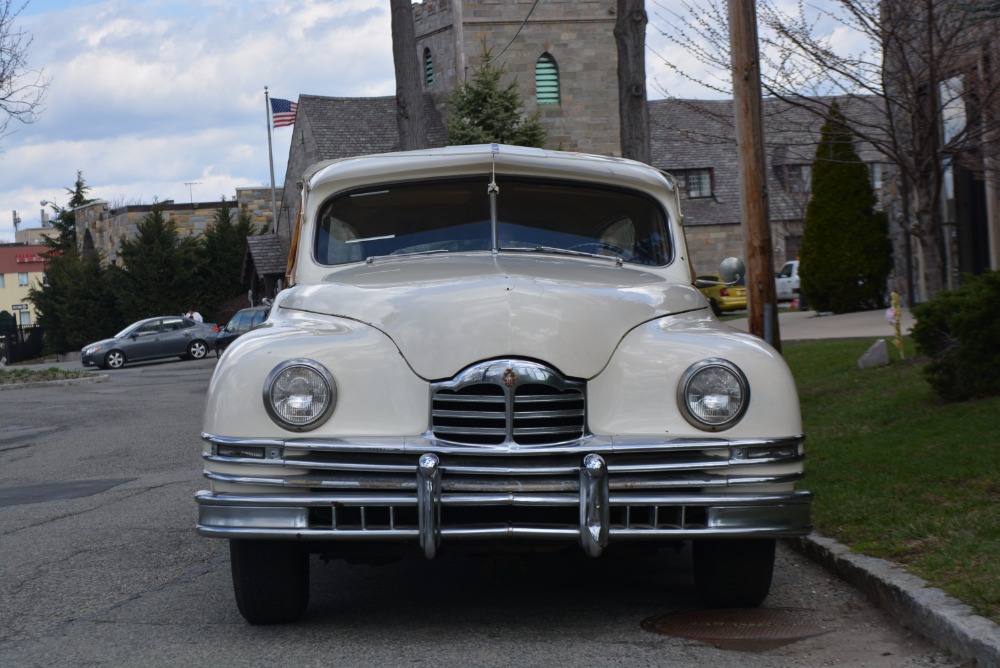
(147,96)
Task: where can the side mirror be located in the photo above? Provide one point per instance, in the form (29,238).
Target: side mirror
(732,270)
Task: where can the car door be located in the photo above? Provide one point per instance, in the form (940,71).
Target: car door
(177,335)
(144,342)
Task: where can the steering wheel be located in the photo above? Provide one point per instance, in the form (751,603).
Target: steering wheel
(605,245)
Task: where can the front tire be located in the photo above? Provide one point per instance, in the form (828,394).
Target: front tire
(270,580)
(715,307)
(115,359)
(197,350)
(733,573)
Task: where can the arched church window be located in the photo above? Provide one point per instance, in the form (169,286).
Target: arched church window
(547,80)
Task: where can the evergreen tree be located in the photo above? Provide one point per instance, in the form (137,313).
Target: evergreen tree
(65,219)
(483,112)
(846,253)
(223,250)
(160,270)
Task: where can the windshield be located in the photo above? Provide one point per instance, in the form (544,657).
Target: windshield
(454,216)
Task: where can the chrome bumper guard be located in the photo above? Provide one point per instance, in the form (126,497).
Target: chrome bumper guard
(392,510)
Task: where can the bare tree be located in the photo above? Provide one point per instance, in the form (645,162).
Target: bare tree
(22,89)
(925,93)
(409,101)
(630,38)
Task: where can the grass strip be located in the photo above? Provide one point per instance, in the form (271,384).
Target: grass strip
(899,474)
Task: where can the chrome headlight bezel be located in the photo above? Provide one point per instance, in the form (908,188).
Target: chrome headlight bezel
(723,370)
(316,373)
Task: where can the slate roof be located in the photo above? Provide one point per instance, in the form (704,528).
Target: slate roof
(266,252)
(349,126)
(700,134)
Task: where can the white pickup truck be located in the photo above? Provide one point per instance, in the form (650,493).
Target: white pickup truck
(786,283)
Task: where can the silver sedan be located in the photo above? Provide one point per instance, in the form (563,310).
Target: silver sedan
(150,339)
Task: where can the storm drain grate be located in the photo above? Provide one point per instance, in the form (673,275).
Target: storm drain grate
(748,629)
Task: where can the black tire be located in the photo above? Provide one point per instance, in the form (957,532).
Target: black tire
(115,359)
(197,350)
(715,307)
(219,349)
(270,580)
(733,573)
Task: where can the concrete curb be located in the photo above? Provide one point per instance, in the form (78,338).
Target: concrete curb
(91,378)
(945,621)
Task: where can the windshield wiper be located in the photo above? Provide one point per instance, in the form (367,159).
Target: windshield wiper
(372,258)
(560,251)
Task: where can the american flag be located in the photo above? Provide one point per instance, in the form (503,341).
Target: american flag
(283,112)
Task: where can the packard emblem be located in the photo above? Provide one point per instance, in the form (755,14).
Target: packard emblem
(509,377)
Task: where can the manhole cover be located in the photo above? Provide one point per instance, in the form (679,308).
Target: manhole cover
(748,629)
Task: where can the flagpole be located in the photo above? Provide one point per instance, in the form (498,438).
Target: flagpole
(270,158)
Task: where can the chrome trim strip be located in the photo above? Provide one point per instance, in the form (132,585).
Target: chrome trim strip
(326,500)
(455,483)
(615,534)
(416,445)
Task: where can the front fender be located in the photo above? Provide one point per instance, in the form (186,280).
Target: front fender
(636,393)
(378,394)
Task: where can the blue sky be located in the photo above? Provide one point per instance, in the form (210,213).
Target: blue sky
(149,96)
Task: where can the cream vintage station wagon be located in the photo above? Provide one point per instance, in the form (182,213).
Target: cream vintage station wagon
(492,348)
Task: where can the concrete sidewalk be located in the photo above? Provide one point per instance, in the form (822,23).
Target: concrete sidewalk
(809,325)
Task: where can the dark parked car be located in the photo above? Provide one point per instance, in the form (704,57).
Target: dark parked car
(240,324)
(152,338)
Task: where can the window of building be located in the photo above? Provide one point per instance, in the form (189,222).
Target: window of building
(1,282)
(428,69)
(694,183)
(22,279)
(878,173)
(25,318)
(798,178)
(547,80)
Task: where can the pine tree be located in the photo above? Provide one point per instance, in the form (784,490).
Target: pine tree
(159,276)
(846,253)
(223,249)
(65,219)
(483,112)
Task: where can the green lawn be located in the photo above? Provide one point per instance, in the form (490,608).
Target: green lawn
(897,473)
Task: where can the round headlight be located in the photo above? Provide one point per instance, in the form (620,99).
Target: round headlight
(299,394)
(713,394)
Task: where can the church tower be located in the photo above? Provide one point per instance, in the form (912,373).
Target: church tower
(561,52)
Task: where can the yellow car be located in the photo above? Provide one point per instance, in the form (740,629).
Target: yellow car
(722,297)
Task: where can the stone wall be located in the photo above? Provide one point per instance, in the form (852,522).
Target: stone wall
(578,34)
(101,228)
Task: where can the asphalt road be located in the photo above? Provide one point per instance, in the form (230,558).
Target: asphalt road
(100,566)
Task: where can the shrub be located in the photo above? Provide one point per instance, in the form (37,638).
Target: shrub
(958,330)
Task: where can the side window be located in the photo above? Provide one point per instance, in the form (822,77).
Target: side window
(174,324)
(547,80)
(244,322)
(149,328)
(258,317)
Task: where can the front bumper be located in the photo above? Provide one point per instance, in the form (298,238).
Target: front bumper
(593,492)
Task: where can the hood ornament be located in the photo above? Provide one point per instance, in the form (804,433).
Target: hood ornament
(509,377)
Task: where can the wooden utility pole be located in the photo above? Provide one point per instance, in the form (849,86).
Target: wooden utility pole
(633,110)
(409,98)
(747,109)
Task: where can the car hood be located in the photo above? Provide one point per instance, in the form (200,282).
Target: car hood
(446,312)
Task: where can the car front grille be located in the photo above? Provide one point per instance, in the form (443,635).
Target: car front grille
(509,402)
